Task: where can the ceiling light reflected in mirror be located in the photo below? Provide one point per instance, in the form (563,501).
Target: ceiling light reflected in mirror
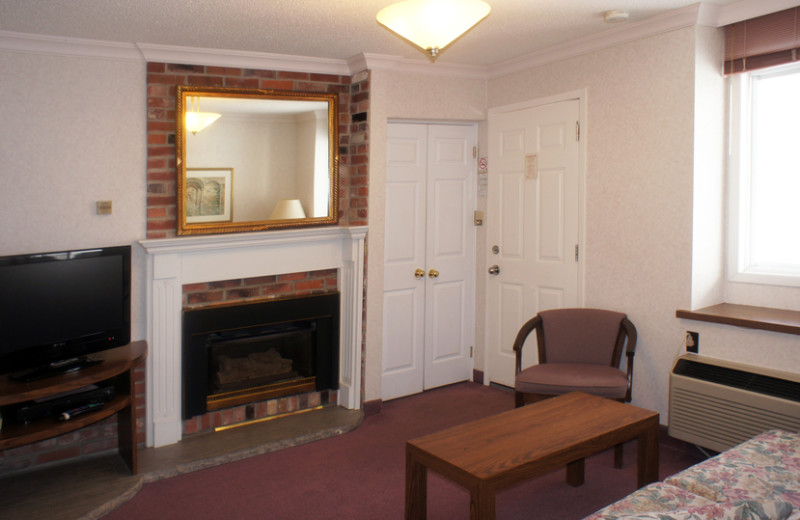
(196,120)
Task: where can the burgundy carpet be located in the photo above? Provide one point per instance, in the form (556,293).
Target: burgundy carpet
(361,474)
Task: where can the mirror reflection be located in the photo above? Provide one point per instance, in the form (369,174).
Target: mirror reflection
(251,160)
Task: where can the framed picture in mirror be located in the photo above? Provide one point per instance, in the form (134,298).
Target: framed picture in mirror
(209,194)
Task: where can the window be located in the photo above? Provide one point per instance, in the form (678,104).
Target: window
(765,176)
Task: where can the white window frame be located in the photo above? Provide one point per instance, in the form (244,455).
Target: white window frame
(740,268)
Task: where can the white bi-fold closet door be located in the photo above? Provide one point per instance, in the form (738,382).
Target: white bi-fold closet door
(429,257)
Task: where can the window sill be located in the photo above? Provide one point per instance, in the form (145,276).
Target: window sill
(764,318)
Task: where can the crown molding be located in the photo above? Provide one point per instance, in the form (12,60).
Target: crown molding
(708,14)
(745,9)
(243,59)
(58,46)
(696,14)
(144,52)
(410,66)
(672,20)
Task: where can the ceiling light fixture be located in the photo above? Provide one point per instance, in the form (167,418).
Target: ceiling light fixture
(615,16)
(196,120)
(433,24)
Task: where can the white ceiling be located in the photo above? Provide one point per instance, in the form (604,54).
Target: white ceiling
(337,29)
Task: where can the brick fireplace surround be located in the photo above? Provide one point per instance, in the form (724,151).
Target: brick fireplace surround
(162,80)
(175,263)
(283,286)
(315,260)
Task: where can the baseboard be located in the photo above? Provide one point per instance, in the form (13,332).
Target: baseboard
(372,407)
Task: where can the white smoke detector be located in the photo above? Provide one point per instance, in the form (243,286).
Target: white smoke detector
(615,16)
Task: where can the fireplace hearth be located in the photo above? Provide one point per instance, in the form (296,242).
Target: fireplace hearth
(254,351)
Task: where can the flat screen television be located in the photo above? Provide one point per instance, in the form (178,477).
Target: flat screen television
(57,308)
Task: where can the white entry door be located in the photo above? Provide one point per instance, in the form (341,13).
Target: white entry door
(533,221)
(429,257)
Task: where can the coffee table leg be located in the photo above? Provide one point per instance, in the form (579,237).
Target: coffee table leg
(482,503)
(647,452)
(416,489)
(576,473)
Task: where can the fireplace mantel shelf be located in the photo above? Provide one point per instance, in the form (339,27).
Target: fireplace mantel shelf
(233,240)
(175,262)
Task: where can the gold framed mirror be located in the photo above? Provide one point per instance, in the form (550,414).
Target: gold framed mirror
(254,160)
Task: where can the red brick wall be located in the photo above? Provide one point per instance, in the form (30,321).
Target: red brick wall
(274,286)
(259,410)
(277,286)
(354,187)
(162,80)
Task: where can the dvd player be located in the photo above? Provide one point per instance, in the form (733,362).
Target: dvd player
(55,406)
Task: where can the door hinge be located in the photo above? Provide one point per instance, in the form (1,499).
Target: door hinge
(474,152)
(578,131)
(470,351)
(576,252)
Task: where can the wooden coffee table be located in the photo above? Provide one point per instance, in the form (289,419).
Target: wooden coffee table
(499,451)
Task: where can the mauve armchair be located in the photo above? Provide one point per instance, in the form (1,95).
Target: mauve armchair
(579,350)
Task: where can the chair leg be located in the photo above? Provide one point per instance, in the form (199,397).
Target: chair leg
(519,399)
(618,455)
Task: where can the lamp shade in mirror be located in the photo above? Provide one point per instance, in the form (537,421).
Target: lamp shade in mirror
(287,208)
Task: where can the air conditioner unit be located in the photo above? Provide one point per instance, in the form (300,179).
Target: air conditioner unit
(718,404)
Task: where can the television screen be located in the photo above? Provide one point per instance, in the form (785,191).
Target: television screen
(61,305)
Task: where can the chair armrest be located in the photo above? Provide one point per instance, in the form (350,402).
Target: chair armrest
(630,330)
(522,335)
(630,350)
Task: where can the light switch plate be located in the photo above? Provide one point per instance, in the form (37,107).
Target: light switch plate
(104,207)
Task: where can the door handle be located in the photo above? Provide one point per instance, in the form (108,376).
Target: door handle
(494,270)
(433,273)
(419,273)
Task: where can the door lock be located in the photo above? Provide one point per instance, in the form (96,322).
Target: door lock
(433,273)
(494,270)
(419,273)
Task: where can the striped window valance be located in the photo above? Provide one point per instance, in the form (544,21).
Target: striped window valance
(768,40)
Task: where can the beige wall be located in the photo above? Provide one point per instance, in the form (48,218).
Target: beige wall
(73,133)
(708,199)
(638,185)
(644,161)
(402,96)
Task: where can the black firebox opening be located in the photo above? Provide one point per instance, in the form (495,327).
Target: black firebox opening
(256,344)
(238,361)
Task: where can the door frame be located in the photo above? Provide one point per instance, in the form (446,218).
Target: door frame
(582,96)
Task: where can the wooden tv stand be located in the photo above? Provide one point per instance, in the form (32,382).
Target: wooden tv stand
(117,369)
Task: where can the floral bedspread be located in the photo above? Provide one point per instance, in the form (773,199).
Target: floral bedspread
(756,480)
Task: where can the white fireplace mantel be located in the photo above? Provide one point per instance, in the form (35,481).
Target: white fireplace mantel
(174,262)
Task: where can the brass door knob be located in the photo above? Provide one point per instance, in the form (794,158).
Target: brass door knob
(494,270)
(433,273)
(419,273)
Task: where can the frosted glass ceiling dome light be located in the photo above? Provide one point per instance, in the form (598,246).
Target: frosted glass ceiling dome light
(615,16)
(196,121)
(433,24)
